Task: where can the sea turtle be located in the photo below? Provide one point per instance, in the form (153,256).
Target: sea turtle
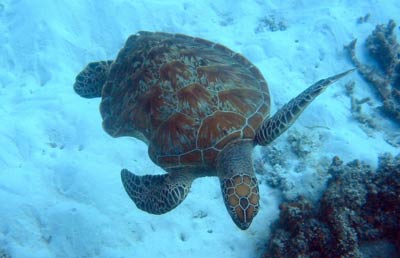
(200,107)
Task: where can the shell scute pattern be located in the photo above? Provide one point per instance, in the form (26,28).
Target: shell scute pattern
(177,135)
(186,97)
(195,101)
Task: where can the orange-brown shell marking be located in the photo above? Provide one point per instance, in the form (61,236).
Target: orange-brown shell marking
(186,97)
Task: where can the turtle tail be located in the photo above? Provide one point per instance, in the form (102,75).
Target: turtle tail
(287,115)
(156,194)
(89,82)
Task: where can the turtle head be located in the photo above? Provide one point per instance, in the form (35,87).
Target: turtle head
(238,182)
(89,82)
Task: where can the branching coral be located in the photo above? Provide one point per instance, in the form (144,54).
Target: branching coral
(367,121)
(358,216)
(383,47)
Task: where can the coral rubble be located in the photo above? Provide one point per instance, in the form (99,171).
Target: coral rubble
(358,215)
(385,50)
(3,254)
(269,23)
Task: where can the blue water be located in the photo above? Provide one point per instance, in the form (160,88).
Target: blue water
(60,188)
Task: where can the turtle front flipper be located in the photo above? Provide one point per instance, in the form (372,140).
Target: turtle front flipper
(156,194)
(285,117)
(89,82)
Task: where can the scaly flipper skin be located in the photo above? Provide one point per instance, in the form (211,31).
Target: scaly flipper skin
(238,182)
(287,115)
(89,83)
(157,194)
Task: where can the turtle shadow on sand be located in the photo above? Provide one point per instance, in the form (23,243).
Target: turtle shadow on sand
(200,107)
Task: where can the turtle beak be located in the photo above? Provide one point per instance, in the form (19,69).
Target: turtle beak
(241,198)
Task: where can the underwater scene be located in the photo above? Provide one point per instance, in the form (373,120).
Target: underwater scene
(214,128)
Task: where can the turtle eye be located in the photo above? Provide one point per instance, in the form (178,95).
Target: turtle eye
(241,198)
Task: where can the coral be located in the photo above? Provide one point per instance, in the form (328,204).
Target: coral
(269,23)
(384,49)
(302,143)
(358,215)
(368,122)
(363,19)
(271,165)
(3,254)
(298,152)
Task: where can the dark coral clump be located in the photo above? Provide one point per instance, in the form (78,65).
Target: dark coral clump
(3,254)
(358,215)
(385,50)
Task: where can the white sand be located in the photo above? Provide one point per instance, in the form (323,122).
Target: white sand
(60,189)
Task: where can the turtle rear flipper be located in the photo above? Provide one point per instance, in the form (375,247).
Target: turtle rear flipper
(89,82)
(156,194)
